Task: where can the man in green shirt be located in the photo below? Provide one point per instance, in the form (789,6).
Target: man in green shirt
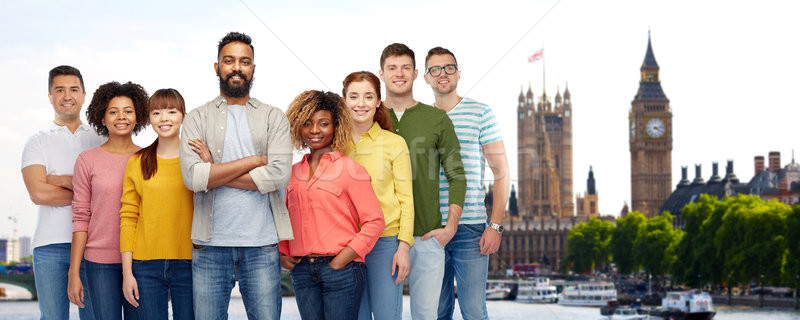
(432,142)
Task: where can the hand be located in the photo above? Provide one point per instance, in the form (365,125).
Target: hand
(400,263)
(201,148)
(75,290)
(130,289)
(336,265)
(59,181)
(443,235)
(490,241)
(288,262)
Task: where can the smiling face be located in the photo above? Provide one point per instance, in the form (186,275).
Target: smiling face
(235,69)
(398,74)
(362,101)
(317,132)
(66,95)
(120,116)
(443,83)
(166,122)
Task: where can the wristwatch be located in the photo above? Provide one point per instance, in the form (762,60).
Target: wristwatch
(497,227)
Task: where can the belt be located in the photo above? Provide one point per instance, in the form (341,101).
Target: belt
(317,258)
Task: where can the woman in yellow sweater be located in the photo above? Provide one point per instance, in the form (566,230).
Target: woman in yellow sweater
(156,219)
(385,156)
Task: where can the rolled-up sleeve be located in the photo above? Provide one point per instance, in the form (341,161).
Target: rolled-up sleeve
(195,172)
(368,210)
(275,175)
(82,195)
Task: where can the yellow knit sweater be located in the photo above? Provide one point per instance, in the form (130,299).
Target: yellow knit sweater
(156,214)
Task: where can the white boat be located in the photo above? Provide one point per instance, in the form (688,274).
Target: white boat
(592,294)
(537,291)
(684,305)
(626,313)
(497,291)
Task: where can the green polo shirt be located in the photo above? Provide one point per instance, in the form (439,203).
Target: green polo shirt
(432,142)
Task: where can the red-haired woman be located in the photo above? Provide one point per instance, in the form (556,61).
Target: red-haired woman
(385,156)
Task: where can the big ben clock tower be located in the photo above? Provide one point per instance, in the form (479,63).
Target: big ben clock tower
(650,124)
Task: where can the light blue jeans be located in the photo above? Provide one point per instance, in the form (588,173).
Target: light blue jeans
(425,278)
(51,266)
(216,269)
(382,298)
(464,262)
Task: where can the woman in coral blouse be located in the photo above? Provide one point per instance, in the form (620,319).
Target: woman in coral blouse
(156,219)
(335,215)
(385,156)
(117,111)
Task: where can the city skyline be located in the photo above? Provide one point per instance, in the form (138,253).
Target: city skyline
(727,69)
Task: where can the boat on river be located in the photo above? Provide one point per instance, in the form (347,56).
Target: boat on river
(684,305)
(589,294)
(537,291)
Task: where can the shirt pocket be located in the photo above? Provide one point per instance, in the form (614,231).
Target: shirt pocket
(330,188)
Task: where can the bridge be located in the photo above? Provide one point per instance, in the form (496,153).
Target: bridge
(24,280)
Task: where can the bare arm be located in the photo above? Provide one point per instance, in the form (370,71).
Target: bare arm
(75,287)
(496,157)
(244,181)
(129,287)
(43,193)
(223,173)
(60,181)
(343,258)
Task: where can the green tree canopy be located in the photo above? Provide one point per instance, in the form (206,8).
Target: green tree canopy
(656,243)
(622,239)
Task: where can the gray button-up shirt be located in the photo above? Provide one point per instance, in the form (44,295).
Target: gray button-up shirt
(269,130)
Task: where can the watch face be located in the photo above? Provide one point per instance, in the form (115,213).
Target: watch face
(655,128)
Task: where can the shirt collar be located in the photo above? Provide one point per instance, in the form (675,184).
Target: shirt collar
(333,156)
(375,131)
(220,100)
(82,127)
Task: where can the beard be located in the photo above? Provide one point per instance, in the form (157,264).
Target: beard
(235,91)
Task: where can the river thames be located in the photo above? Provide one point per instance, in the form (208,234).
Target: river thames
(499,310)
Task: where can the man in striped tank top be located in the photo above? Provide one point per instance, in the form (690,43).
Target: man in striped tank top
(467,254)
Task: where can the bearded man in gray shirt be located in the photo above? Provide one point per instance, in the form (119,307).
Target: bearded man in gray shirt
(236,157)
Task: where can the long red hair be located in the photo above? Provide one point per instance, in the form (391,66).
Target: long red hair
(381,112)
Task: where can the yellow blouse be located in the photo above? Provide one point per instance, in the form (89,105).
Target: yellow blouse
(156,214)
(385,156)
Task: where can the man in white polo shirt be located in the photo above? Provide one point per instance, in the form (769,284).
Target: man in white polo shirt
(47,163)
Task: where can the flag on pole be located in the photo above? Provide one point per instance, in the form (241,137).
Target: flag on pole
(536,56)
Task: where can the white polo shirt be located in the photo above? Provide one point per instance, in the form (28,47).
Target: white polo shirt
(56,148)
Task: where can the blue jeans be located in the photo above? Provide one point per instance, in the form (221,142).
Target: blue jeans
(50,267)
(104,283)
(326,294)
(160,281)
(216,269)
(425,277)
(382,298)
(462,257)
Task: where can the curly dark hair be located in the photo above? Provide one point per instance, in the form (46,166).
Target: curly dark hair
(308,102)
(234,36)
(103,95)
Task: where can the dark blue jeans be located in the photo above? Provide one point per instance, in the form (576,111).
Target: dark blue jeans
(104,282)
(326,294)
(160,281)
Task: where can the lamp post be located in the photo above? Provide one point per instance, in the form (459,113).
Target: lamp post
(761,298)
(729,287)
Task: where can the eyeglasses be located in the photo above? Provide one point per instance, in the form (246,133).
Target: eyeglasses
(448,69)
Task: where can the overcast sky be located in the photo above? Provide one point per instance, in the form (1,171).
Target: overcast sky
(728,67)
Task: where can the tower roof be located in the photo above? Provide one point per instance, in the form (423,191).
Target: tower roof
(649,58)
(590,184)
(566,91)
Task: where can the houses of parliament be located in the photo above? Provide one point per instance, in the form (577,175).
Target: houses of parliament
(542,212)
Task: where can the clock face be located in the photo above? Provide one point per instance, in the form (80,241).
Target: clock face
(633,129)
(655,128)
